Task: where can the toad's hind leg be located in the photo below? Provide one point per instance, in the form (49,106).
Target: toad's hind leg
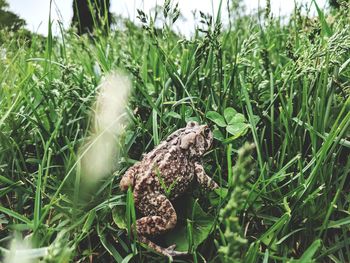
(160,217)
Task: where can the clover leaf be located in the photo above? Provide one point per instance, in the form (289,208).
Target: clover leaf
(216,118)
(234,122)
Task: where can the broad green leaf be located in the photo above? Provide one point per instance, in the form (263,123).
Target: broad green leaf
(222,192)
(216,196)
(118,214)
(218,135)
(237,129)
(202,224)
(239,117)
(216,118)
(229,114)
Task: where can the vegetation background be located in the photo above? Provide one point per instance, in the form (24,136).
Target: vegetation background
(282,85)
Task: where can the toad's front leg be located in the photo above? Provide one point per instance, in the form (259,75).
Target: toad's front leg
(160,217)
(203,179)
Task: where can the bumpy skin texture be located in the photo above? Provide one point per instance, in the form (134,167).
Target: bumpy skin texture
(164,174)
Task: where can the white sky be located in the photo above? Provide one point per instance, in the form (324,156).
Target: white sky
(36,12)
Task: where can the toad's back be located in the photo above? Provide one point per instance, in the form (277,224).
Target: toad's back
(162,175)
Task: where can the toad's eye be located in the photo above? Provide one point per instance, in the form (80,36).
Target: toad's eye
(206,132)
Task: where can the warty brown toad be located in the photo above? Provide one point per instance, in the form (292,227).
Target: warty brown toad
(164,174)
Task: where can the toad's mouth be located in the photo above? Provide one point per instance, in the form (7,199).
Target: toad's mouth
(206,144)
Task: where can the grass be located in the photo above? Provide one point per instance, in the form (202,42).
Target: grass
(283,86)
